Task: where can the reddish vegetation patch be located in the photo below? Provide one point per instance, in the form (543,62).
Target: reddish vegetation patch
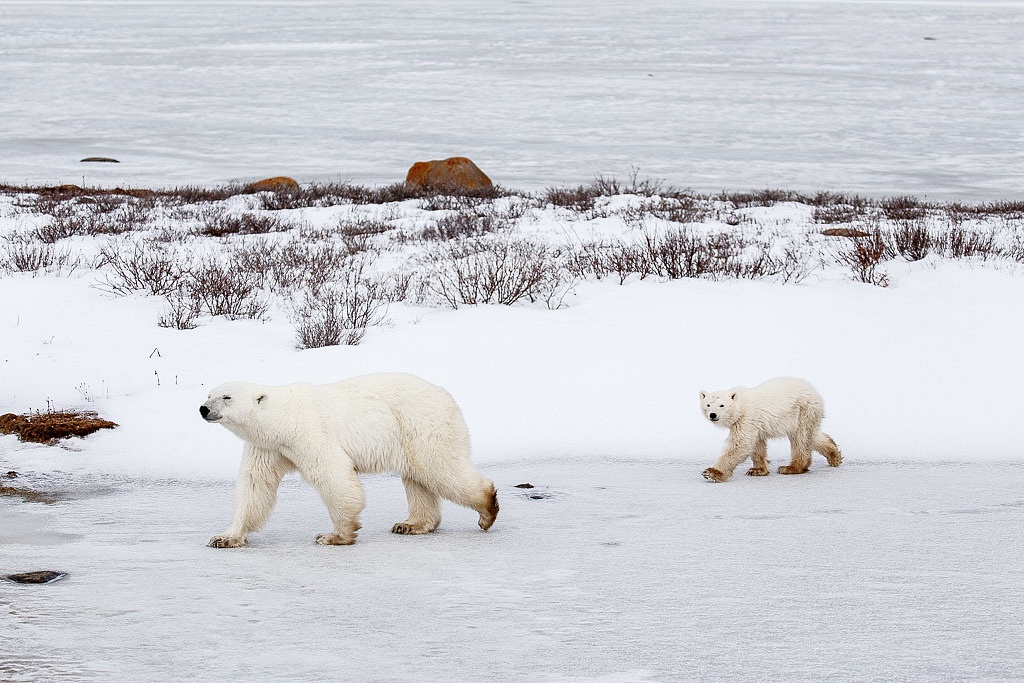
(454,173)
(27,495)
(47,427)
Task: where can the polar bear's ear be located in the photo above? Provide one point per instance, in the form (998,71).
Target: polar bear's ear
(261,398)
(733,397)
(703,395)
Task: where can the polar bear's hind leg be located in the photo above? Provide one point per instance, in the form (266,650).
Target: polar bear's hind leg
(824,444)
(489,510)
(463,485)
(424,509)
(800,461)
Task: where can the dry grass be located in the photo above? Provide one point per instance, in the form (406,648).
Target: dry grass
(53,425)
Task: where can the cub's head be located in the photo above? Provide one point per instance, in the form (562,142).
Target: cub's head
(720,407)
(233,404)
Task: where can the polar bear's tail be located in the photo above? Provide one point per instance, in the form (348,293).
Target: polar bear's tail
(824,444)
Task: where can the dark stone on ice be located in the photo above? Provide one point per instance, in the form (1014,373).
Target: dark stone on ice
(44,576)
(12,475)
(524,486)
(104,160)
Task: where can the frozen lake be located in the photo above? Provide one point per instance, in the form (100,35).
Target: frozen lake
(878,98)
(620,571)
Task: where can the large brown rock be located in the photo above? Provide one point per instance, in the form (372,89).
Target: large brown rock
(456,173)
(279,183)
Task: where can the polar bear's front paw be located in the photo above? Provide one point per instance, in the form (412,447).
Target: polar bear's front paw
(335,539)
(711,474)
(757,472)
(227,542)
(793,469)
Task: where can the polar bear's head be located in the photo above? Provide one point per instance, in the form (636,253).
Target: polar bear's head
(720,407)
(234,405)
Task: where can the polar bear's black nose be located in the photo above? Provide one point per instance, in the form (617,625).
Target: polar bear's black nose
(713,416)
(204,411)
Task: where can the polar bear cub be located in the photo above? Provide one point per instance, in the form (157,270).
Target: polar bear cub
(331,433)
(783,406)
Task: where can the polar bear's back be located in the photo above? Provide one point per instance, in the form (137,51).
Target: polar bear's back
(426,420)
(785,390)
(779,405)
(404,393)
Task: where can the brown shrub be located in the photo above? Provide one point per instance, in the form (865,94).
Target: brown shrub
(52,425)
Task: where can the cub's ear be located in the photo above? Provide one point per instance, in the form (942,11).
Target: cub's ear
(703,395)
(261,398)
(733,397)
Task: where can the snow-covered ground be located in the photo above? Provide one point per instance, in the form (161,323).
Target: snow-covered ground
(878,97)
(904,563)
(622,564)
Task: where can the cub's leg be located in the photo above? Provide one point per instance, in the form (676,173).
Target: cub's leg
(760,458)
(824,444)
(255,495)
(800,460)
(737,449)
(343,495)
(424,509)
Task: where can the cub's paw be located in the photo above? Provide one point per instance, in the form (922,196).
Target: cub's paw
(757,472)
(835,460)
(335,539)
(227,542)
(711,474)
(792,469)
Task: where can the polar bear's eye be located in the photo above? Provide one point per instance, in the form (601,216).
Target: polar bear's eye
(227,398)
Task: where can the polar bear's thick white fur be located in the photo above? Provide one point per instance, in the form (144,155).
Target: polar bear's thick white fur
(783,406)
(331,433)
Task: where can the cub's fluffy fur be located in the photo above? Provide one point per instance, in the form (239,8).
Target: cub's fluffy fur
(784,406)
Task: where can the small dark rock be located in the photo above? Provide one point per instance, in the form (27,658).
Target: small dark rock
(524,486)
(12,475)
(45,576)
(103,160)
(538,496)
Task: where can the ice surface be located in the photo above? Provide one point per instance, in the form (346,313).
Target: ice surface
(880,98)
(628,570)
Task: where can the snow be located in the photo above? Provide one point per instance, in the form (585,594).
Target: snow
(905,562)
(877,97)
(621,564)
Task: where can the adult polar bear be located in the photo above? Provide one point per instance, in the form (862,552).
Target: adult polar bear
(783,406)
(331,433)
